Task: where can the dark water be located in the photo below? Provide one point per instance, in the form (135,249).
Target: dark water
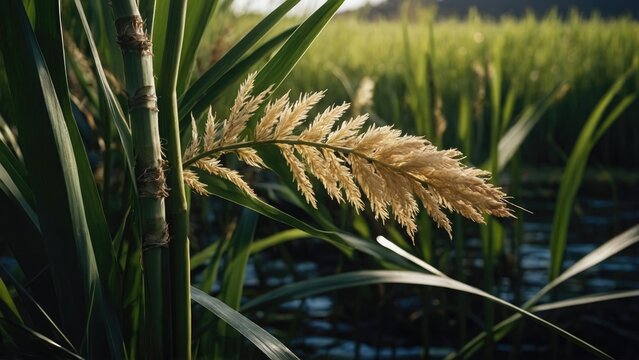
(387,321)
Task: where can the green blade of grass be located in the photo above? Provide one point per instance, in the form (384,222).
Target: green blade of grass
(341,240)
(33,344)
(359,278)
(22,233)
(277,239)
(198,15)
(8,307)
(283,62)
(586,300)
(605,251)
(229,78)
(49,32)
(197,93)
(53,173)
(512,140)
(15,186)
(124,131)
(573,173)
(233,281)
(259,245)
(36,312)
(506,325)
(269,345)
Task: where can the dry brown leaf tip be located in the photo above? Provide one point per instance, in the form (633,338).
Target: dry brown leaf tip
(395,172)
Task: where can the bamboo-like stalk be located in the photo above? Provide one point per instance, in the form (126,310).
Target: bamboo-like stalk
(151,185)
(176,211)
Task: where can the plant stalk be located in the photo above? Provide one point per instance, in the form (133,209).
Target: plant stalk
(143,114)
(176,212)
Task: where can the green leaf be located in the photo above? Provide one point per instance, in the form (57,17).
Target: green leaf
(258,245)
(33,344)
(586,300)
(283,62)
(342,241)
(8,308)
(573,173)
(233,279)
(372,277)
(512,140)
(112,103)
(198,16)
(49,32)
(268,344)
(14,184)
(277,239)
(53,174)
(198,92)
(36,312)
(605,251)
(229,78)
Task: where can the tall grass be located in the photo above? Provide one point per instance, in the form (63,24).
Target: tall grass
(103,249)
(538,52)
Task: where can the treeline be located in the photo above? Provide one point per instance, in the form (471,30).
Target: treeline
(497,8)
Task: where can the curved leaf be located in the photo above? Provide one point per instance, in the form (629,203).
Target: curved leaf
(112,103)
(359,278)
(206,83)
(605,251)
(259,245)
(53,174)
(344,242)
(283,62)
(198,16)
(512,140)
(268,344)
(230,77)
(49,33)
(38,345)
(35,310)
(573,173)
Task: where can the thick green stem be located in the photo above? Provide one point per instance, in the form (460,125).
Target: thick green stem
(151,184)
(176,212)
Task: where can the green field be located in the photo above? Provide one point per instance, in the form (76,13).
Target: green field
(588,54)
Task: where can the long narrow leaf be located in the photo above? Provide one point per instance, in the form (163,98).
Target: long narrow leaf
(49,32)
(343,241)
(586,300)
(573,173)
(512,140)
(36,311)
(359,278)
(207,82)
(8,307)
(38,345)
(233,280)
(281,64)
(268,344)
(14,183)
(605,251)
(112,103)
(259,245)
(198,16)
(53,174)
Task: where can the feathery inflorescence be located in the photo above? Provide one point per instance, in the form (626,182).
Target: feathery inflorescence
(394,172)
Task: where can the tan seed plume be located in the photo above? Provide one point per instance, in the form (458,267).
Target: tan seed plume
(394,172)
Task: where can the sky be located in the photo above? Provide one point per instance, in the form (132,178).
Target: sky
(305,6)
